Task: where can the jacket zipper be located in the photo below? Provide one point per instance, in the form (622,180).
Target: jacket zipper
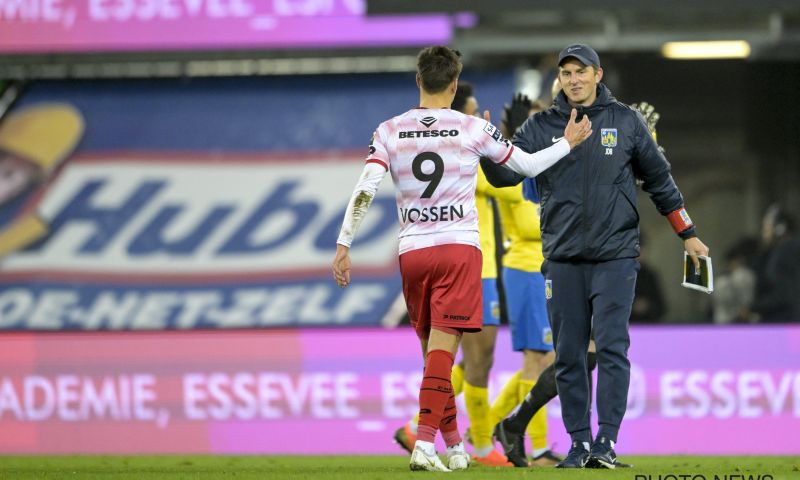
(585,199)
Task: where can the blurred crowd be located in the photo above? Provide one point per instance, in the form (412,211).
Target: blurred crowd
(760,279)
(757,280)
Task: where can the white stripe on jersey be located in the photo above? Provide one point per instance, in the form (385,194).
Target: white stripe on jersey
(433,156)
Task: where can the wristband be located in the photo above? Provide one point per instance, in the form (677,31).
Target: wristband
(680,220)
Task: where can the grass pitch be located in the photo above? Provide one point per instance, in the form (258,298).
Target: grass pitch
(377,467)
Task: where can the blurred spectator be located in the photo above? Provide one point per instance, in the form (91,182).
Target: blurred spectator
(648,303)
(778,269)
(735,288)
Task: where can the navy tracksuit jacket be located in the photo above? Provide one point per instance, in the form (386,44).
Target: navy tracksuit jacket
(590,238)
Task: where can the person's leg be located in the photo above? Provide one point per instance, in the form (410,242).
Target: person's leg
(406,435)
(478,350)
(417,298)
(436,400)
(612,289)
(454,308)
(532,361)
(437,404)
(570,317)
(451,275)
(478,355)
(537,428)
(530,334)
(505,401)
(457,375)
(538,355)
(544,391)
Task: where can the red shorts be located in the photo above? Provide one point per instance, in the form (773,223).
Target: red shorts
(442,288)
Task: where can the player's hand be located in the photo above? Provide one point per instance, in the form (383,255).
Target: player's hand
(695,247)
(577,132)
(650,116)
(341,266)
(516,114)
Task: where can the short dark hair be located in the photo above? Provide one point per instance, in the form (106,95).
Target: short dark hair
(437,67)
(464,90)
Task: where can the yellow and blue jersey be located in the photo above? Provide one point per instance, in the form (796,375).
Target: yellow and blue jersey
(520,220)
(483,202)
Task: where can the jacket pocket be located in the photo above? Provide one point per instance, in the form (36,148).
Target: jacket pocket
(630,203)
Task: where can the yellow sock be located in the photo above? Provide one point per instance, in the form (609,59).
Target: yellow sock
(477,402)
(506,400)
(457,379)
(537,428)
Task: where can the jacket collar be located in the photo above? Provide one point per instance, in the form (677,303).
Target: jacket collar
(604,98)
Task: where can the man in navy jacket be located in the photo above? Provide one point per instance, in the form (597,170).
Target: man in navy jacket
(590,236)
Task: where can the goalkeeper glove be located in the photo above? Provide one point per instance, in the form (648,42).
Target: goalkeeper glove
(514,115)
(650,116)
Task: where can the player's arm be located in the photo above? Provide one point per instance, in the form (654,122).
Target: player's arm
(514,116)
(498,175)
(532,164)
(654,170)
(360,200)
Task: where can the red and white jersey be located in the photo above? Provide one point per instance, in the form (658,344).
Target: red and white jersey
(433,156)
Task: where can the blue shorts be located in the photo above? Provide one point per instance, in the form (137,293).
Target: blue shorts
(491,302)
(527,310)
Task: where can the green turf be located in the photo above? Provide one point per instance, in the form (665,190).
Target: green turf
(374,467)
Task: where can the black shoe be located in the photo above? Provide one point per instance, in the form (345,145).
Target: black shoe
(602,454)
(576,457)
(513,444)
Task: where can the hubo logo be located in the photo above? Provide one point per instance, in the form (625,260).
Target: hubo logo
(428,121)
(155,215)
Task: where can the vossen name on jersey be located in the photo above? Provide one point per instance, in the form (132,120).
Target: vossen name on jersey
(427,133)
(441,213)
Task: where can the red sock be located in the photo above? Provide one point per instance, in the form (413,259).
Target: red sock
(434,394)
(449,426)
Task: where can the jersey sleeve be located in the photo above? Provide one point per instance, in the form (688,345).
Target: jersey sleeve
(378,151)
(487,141)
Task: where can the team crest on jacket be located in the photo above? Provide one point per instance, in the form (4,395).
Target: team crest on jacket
(608,137)
(548,289)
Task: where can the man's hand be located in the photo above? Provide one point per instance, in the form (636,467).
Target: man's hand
(695,247)
(341,266)
(575,133)
(516,114)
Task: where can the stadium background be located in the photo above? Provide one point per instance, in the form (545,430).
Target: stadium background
(181,301)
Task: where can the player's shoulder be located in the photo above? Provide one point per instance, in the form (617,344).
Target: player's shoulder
(630,115)
(540,120)
(456,116)
(550,113)
(624,109)
(391,124)
(392,121)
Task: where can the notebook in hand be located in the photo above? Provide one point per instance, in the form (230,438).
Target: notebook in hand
(702,280)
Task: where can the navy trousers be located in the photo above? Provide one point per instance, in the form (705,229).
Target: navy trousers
(582,297)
